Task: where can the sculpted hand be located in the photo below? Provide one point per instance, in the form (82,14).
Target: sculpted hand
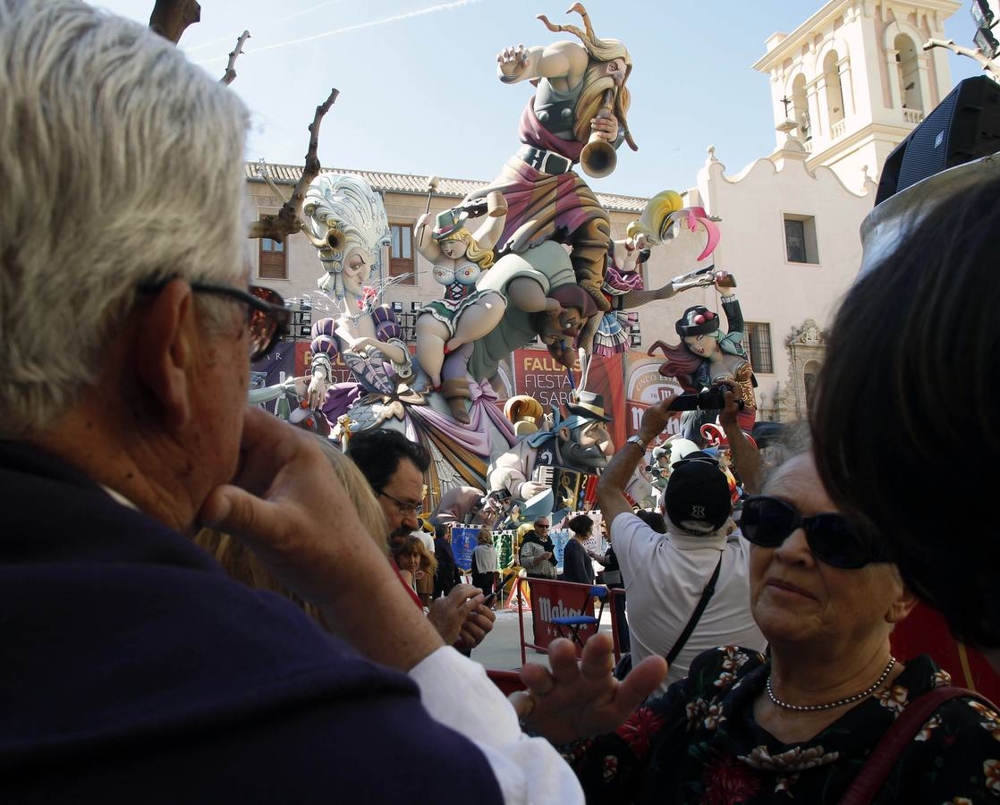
(531,488)
(512,61)
(605,125)
(449,615)
(316,391)
(579,699)
(724,281)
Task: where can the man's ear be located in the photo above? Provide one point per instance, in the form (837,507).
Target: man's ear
(564,434)
(163,352)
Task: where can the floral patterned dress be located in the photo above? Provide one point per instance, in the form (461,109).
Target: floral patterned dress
(698,743)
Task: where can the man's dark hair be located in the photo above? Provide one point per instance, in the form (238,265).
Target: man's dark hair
(909,382)
(378,453)
(653,519)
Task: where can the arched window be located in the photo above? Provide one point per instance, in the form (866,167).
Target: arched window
(800,107)
(809,374)
(834,88)
(909,73)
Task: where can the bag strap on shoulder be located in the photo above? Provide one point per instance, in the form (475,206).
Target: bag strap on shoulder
(874,773)
(706,596)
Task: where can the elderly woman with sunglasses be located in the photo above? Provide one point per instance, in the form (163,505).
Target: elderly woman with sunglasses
(802,724)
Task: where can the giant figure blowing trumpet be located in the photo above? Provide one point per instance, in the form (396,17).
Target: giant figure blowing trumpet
(577,114)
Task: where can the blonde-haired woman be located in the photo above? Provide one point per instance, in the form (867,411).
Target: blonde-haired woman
(243,565)
(485,568)
(413,560)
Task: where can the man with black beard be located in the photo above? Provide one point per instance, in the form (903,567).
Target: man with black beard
(395,467)
(561,458)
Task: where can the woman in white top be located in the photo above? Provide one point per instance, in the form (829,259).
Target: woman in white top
(485,569)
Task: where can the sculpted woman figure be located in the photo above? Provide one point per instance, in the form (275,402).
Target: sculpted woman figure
(459,258)
(623,284)
(346,222)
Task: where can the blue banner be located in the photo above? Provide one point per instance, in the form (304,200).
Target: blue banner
(463,543)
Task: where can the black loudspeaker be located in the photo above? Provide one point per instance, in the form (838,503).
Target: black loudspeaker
(963,127)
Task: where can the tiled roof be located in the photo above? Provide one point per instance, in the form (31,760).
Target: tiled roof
(417,185)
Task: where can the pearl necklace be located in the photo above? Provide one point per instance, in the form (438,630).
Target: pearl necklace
(809,708)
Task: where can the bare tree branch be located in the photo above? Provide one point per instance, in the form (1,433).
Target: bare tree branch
(171,17)
(288,221)
(989,65)
(230,75)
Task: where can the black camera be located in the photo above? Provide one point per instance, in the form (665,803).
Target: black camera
(711,399)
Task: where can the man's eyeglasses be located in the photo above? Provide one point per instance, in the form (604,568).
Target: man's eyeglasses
(541,525)
(267,316)
(404,508)
(832,538)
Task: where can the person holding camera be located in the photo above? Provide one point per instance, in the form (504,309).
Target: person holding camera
(688,589)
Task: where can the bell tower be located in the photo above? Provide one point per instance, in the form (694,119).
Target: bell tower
(854,80)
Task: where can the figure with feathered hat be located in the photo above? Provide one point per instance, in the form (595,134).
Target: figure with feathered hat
(623,284)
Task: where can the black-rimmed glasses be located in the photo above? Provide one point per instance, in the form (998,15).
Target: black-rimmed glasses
(404,508)
(832,538)
(267,316)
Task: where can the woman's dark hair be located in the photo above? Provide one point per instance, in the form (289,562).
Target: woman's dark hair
(905,426)
(377,453)
(581,524)
(653,519)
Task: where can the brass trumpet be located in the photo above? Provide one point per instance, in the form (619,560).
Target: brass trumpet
(598,157)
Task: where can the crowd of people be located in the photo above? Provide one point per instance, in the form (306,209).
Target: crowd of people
(199,600)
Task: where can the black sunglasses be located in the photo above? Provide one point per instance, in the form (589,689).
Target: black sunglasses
(832,538)
(267,316)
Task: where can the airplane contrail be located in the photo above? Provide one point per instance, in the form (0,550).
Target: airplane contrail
(284,18)
(396,18)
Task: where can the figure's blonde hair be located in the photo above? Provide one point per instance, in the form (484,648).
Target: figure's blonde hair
(481,257)
(653,223)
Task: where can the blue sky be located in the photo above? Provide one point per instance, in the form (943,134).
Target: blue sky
(419,92)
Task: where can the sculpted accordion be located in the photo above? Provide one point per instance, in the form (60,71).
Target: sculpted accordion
(572,489)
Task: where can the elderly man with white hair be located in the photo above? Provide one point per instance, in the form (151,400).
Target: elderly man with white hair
(134,669)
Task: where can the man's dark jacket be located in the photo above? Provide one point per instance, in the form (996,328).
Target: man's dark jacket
(135,671)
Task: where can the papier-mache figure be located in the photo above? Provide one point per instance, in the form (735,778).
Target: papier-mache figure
(467,505)
(623,284)
(346,222)
(706,356)
(580,102)
(562,459)
(459,258)
(543,301)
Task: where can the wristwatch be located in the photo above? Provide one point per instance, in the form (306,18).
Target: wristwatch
(637,440)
